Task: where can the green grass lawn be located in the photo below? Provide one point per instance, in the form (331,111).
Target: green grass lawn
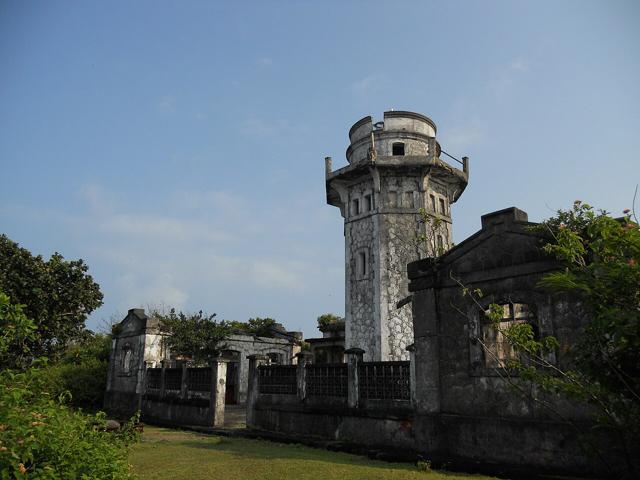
(176,455)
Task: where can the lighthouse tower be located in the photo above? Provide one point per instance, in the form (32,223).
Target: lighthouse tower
(395,196)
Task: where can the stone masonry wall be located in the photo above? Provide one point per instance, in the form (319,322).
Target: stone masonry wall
(362,330)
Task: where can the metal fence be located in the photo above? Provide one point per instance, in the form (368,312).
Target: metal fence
(327,380)
(384,381)
(154,378)
(173,379)
(199,379)
(278,379)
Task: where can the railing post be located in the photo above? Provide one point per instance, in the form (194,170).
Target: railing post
(412,373)
(301,377)
(354,359)
(183,382)
(218,391)
(162,379)
(253,391)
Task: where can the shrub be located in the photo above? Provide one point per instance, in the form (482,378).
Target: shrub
(40,437)
(329,319)
(82,371)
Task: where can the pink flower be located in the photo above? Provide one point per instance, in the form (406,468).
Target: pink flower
(626,210)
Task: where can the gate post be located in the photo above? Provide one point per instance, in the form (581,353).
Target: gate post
(301,377)
(162,382)
(253,391)
(183,382)
(354,359)
(218,391)
(412,373)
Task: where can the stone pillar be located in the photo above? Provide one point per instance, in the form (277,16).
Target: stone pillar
(328,165)
(183,382)
(253,388)
(301,377)
(354,359)
(218,391)
(162,382)
(427,352)
(412,372)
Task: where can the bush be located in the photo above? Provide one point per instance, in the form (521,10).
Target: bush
(40,437)
(329,319)
(82,372)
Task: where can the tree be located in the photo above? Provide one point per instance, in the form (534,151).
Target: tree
(198,337)
(260,327)
(16,332)
(57,294)
(600,258)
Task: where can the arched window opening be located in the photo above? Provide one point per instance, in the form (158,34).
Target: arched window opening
(126,359)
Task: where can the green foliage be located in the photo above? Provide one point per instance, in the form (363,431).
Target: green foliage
(423,465)
(42,438)
(261,327)
(16,332)
(330,319)
(57,294)
(198,337)
(601,256)
(82,371)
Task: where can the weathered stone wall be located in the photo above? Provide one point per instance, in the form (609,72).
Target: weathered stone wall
(247,345)
(480,414)
(136,345)
(362,326)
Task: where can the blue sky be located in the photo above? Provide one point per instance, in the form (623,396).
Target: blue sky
(177,147)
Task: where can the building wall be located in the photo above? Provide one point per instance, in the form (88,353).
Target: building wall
(481,415)
(249,345)
(136,346)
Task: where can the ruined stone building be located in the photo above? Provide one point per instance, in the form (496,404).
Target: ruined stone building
(395,196)
(138,345)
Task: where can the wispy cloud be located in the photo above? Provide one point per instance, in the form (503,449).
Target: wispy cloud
(166,104)
(197,249)
(505,77)
(457,140)
(367,86)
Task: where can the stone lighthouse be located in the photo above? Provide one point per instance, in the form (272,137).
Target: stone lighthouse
(395,196)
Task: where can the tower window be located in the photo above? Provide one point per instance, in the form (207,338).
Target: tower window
(397,148)
(355,206)
(368,203)
(433,202)
(440,243)
(408,200)
(361,265)
(443,208)
(393,198)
